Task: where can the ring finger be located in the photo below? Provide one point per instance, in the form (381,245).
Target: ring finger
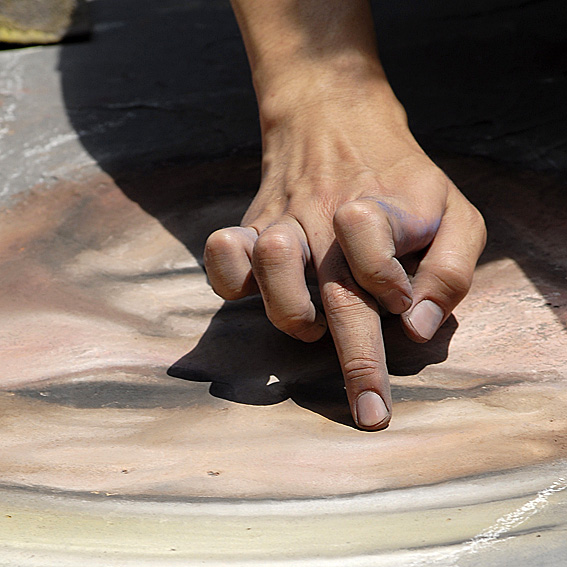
(279,259)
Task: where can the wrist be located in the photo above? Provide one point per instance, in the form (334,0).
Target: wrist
(344,82)
(308,46)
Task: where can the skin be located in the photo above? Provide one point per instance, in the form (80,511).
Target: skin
(347,195)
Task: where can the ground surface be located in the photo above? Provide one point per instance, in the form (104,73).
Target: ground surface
(144,421)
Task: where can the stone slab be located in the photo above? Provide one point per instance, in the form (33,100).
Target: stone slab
(146,422)
(42,21)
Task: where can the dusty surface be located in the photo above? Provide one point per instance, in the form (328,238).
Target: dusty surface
(146,422)
(100,300)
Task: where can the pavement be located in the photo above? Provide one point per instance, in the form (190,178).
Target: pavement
(147,422)
(167,80)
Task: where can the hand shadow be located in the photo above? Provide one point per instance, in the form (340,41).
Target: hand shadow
(249,361)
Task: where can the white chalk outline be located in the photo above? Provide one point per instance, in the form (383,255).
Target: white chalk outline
(493,534)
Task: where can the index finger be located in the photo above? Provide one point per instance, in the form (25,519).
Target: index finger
(352,316)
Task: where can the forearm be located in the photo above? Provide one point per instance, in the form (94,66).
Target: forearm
(289,40)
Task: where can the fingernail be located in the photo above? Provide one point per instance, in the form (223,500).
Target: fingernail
(395,301)
(425,318)
(370,409)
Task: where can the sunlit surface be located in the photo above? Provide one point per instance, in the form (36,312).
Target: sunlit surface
(145,422)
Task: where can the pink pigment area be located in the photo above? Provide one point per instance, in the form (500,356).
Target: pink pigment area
(103,294)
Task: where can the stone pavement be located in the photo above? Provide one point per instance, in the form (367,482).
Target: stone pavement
(146,422)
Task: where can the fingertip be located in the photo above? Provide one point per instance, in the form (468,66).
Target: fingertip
(423,321)
(313,332)
(227,263)
(371,412)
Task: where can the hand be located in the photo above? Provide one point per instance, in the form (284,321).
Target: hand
(347,194)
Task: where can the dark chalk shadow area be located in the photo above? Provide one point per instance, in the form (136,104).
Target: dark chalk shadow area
(248,361)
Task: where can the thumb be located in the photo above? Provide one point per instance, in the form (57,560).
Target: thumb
(444,275)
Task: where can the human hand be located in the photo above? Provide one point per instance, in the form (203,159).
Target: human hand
(347,193)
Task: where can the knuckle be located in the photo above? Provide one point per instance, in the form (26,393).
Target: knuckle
(274,243)
(353,213)
(221,249)
(345,298)
(222,241)
(360,368)
(473,221)
(454,278)
(479,224)
(292,323)
(340,293)
(473,217)
(478,219)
